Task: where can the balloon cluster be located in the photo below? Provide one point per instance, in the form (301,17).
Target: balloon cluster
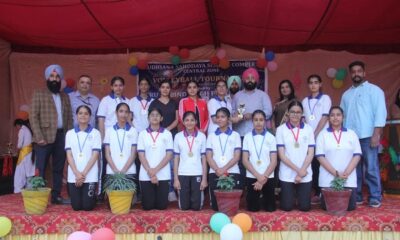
(99,234)
(178,54)
(337,75)
(68,85)
(221,224)
(267,60)
(220,59)
(137,63)
(5,226)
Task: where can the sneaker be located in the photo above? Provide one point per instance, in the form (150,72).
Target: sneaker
(172,197)
(315,200)
(375,204)
(359,202)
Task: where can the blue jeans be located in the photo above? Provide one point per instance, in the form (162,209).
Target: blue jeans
(370,165)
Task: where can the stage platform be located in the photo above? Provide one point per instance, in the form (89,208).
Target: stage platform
(60,220)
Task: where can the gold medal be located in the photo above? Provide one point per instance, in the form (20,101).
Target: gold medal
(223,158)
(153,146)
(190,154)
(80,154)
(312,117)
(121,155)
(259,162)
(296,145)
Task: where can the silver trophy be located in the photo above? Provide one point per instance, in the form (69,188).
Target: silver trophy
(241,110)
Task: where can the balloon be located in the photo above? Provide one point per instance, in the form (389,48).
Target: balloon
(272,66)
(244,221)
(23,115)
(68,90)
(103,234)
(221,53)
(142,64)
(393,156)
(24,108)
(218,221)
(337,83)
(103,81)
(133,70)
(270,55)
(224,63)
(175,60)
(132,61)
(5,226)
(214,60)
(174,50)
(231,232)
(184,53)
(261,63)
(331,72)
(79,235)
(341,74)
(70,82)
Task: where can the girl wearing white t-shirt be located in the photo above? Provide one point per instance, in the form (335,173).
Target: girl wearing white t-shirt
(83,145)
(295,143)
(190,166)
(155,149)
(223,154)
(218,101)
(259,158)
(338,151)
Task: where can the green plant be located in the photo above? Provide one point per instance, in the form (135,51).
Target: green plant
(337,184)
(119,181)
(226,182)
(35,183)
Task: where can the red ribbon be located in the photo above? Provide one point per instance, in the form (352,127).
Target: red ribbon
(7,166)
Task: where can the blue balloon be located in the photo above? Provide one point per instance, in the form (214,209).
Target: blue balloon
(68,90)
(134,71)
(218,221)
(270,55)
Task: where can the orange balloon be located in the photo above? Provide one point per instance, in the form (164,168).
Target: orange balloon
(244,221)
(224,63)
(133,61)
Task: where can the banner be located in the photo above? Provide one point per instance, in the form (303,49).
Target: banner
(204,73)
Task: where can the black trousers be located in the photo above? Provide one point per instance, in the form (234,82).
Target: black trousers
(315,169)
(190,194)
(212,184)
(57,152)
(291,191)
(154,196)
(352,201)
(83,197)
(264,198)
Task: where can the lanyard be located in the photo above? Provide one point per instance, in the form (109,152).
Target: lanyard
(255,147)
(309,106)
(151,135)
(79,142)
(121,146)
(220,144)
(144,106)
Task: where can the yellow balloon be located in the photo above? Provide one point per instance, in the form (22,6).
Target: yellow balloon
(5,226)
(133,61)
(337,83)
(244,221)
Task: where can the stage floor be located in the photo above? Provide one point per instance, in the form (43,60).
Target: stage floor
(63,220)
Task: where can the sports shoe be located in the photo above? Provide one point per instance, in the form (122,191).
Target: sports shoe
(172,197)
(375,204)
(315,200)
(359,202)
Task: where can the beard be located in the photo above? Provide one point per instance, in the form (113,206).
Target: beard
(249,86)
(233,91)
(357,79)
(54,86)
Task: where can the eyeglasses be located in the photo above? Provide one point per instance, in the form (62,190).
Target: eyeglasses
(295,113)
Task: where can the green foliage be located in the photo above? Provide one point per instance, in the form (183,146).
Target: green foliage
(119,181)
(337,184)
(35,183)
(226,182)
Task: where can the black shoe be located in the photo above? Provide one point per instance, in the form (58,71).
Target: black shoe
(66,201)
(57,200)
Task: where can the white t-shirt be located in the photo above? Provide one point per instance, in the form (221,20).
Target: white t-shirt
(297,155)
(140,108)
(315,108)
(213,105)
(223,146)
(259,147)
(190,164)
(121,141)
(338,156)
(82,144)
(155,148)
(107,109)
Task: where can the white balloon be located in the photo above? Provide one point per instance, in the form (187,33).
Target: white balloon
(331,72)
(231,231)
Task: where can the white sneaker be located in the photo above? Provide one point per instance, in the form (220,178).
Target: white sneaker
(172,197)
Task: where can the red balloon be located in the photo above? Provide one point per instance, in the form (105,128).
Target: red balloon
(174,50)
(214,60)
(184,53)
(103,234)
(261,63)
(142,64)
(70,82)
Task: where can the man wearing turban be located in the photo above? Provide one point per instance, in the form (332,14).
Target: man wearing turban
(50,119)
(234,84)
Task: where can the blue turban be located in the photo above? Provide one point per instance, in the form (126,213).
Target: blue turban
(234,78)
(54,68)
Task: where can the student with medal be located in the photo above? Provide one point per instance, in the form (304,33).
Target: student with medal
(316,108)
(338,151)
(155,149)
(223,154)
(190,166)
(120,144)
(295,143)
(259,158)
(82,145)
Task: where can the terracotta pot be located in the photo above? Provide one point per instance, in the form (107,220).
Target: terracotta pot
(228,201)
(35,202)
(120,201)
(336,202)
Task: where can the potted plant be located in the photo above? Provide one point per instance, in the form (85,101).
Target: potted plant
(228,199)
(120,190)
(337,197)
(36,196)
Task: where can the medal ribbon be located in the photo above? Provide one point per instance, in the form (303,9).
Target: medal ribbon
(79,142)
(151,135)
(309,106)
(255,147)
(337,138)
(296,136)
(188,143)
(121,146)
(220,144)
(144,106)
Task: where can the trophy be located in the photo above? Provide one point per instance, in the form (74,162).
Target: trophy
(241,110)
(9,148)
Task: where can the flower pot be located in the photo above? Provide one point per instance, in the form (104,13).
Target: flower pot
(228,201)
(336,202)
(35,202)
(120,201)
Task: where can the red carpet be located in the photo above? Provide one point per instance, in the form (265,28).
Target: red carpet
(62,219)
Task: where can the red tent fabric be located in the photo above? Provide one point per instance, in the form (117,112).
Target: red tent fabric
(153,25)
